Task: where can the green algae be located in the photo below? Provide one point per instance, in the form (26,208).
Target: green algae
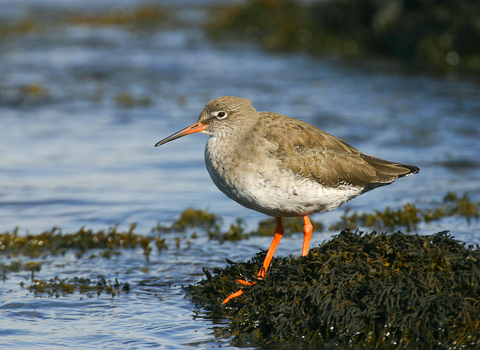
(454,205)
(20,27)
(236,232)
(357,291)
(192,218)
(55,242)
(127,100)
(408,217)
(57,287)
(141,17)
(112,240)
(211,223)
(436,36)
(439,36)
(18,265)
(144,16)
(290,225)
(34,93)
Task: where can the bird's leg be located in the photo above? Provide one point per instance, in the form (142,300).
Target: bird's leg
(307,234)
(268,258)
(276,240)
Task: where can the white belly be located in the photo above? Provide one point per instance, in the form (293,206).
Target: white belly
(265,187)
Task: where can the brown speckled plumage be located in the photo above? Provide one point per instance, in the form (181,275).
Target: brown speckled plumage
(270,162)
(314,154)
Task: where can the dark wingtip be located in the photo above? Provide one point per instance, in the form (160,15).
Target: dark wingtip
(413,169)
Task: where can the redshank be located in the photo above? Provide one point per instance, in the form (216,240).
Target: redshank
(283,167)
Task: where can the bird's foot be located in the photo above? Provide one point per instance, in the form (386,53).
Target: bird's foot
(245,283)
(233,295)
(238,293)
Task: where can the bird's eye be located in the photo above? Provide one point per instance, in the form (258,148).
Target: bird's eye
(221,115)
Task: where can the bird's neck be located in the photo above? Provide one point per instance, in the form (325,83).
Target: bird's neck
(220,147)
(225,150)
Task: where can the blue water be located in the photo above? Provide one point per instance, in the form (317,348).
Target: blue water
(72,157)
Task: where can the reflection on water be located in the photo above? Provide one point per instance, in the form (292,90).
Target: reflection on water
(73,155)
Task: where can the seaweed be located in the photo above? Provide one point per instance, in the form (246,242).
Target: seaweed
(55,287)
(437,35)
(192,218)
(20,27)
(60,287)
(409,216)
(127,100)
(290,225)
(203,219)
(143,16)
(357,291)
(112,240)
(55,242)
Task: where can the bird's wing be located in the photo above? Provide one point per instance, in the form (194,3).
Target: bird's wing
(312,153)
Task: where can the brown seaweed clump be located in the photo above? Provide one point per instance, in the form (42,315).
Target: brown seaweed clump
(356,291)
(55,287)
(55,242)
(435,35)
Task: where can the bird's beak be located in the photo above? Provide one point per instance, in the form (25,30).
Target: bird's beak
(197,127)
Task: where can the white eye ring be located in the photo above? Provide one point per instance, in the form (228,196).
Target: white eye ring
(221,115)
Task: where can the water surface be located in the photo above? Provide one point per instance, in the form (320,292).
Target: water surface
(72,156)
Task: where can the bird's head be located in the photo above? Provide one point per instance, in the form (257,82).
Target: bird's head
(221,117)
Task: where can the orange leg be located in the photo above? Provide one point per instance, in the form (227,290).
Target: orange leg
(307,234)
(268,258)
(233,295)
(276,240)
